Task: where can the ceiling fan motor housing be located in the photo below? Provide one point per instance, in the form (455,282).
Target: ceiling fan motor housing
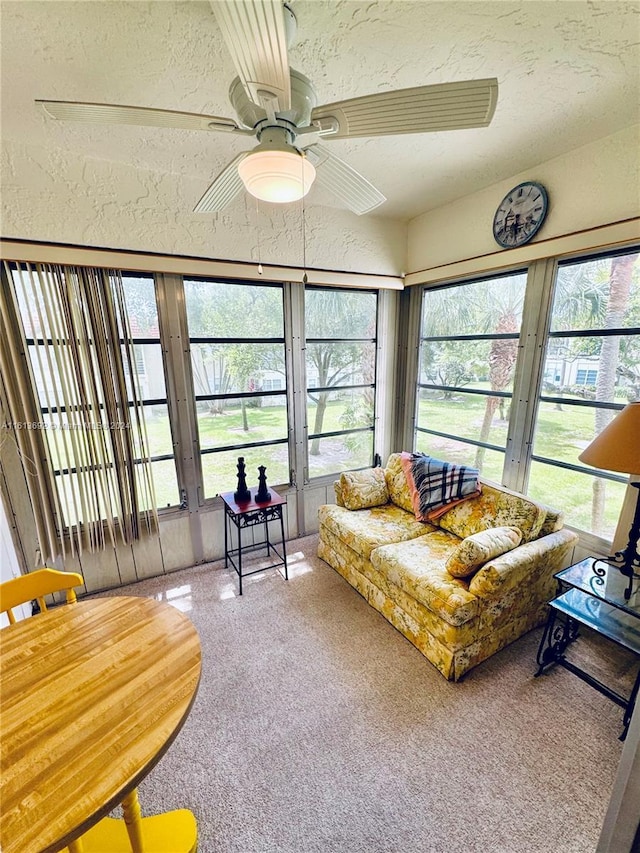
(303,100)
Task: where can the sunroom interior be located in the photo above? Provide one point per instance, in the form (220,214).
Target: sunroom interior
(311,380)
(303,337)
(321,341)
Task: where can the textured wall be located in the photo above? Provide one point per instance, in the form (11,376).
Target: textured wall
(567,73)
(594,185)
(58,196)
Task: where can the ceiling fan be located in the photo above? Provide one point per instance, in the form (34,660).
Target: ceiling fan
(277,105)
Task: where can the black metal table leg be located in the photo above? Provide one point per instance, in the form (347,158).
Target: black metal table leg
(284,547)
(226,538)
(266,535)
(556,638)
(240,558)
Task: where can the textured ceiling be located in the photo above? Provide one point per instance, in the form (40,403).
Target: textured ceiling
(569,73)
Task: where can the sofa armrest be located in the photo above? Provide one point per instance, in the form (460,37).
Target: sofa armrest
(337,488)
(512,569)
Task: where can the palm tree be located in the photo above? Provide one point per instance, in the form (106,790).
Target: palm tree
(483,307)
(503,300)
(502,361)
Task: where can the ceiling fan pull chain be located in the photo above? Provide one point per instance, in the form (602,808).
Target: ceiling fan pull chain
(304,235)
(258,236)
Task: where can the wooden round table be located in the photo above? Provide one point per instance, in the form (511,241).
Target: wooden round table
(93,694)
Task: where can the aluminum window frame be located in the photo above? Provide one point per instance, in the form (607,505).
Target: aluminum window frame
(482,336)
(373,386)
(241,395)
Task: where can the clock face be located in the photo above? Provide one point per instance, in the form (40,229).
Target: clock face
(520,214)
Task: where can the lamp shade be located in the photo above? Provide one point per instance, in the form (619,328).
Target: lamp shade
(277,176)
(617,447)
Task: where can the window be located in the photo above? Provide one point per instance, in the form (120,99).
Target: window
(85,364)
(585,377)
(468,353)
(142,311)
(236,334)
(595,323)
(340,330)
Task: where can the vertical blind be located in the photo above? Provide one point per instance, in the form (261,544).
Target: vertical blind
(74,405)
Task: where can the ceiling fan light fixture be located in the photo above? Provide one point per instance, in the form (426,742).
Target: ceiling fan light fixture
(277,176)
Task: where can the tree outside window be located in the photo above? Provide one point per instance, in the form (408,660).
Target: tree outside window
(236,333)
(340,330)
(468,351)
(592,370)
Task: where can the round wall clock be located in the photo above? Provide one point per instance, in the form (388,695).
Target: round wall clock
(520,214)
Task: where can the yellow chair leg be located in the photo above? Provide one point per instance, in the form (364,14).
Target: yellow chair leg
(133,821)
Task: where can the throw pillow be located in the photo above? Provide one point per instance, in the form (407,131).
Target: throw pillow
(436,486)
(363,489)
(479,548)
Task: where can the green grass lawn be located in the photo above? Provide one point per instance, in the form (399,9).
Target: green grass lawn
(561,435)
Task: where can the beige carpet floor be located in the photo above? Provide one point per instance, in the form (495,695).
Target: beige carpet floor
(319,729)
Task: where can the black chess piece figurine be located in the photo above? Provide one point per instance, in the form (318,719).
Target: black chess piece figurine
(243,495)
(263,494)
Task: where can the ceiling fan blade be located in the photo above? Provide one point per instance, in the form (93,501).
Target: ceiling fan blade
(224,188)
(144,116)
(254,32)
(445,106)
(343,181)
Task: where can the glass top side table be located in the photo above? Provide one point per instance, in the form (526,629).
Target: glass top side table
(591,593)
(602,580)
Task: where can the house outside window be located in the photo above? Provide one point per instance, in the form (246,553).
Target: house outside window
(586,377)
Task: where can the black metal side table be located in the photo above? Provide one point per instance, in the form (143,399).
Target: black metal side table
(591,593)
(250,514)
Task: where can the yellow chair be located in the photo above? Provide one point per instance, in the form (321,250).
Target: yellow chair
(35,586)
(167,833)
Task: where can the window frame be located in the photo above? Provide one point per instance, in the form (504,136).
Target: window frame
(282,393)
(309,436)
(592,541)
(484,336)
(535,333)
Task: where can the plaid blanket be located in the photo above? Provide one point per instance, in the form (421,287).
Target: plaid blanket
(436,486)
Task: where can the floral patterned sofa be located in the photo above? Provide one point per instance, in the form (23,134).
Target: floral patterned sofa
(402,567)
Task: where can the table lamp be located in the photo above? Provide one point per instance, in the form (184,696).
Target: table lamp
(617,448)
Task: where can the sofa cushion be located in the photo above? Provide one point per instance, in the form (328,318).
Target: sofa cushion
(553,521)
(436,486)
(397,483)
(417,567)
(479,548)
(363,489)
(366,529)
(495,507)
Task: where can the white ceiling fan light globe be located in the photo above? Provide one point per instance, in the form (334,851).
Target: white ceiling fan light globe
(277,176)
